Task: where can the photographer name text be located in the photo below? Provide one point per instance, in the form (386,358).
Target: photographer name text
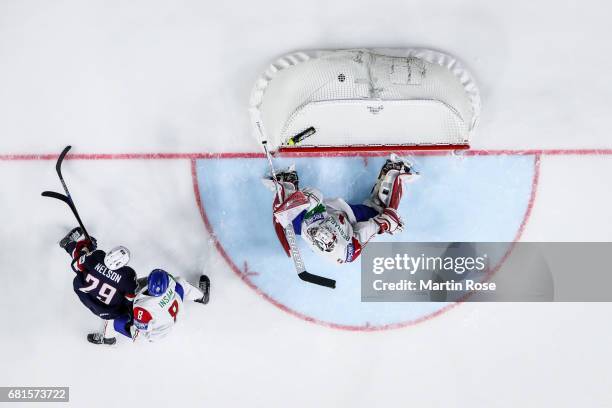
(430,285)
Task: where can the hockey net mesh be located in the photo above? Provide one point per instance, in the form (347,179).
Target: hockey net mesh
(365,97)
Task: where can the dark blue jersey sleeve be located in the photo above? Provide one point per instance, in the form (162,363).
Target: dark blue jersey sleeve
(129,284)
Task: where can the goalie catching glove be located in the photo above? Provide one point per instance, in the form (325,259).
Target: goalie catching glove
(389,221)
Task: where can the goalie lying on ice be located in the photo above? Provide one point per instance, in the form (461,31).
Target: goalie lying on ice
(332,227)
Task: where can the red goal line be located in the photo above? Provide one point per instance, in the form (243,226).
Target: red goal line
(248,155)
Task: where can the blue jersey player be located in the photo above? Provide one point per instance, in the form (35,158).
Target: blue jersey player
(103,281)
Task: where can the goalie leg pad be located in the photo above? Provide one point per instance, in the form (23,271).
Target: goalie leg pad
(387,191)
(280,233)
(391,189)
(285,212)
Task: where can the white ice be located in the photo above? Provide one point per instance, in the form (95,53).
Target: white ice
(154,76)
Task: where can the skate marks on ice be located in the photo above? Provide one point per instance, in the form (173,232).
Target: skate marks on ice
(471,198)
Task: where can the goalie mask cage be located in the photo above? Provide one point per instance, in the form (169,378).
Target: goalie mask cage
(365,100)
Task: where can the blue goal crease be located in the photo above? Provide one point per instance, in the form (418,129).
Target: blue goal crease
(473,198)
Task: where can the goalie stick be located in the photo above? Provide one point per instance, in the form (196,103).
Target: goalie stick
(65,198)
(298,262)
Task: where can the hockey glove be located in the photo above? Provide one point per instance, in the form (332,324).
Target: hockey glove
(85,247)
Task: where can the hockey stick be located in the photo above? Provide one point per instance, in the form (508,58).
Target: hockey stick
(65,198)
(300,268)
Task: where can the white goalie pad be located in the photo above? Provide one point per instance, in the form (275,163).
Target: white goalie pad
(365,97)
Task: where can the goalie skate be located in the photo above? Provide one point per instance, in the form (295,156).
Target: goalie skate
(404,166)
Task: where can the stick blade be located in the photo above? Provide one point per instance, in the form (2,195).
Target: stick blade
(53,194)
(317,280)
(60,159)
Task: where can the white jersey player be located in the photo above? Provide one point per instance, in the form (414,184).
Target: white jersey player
(332,227)
(158,305)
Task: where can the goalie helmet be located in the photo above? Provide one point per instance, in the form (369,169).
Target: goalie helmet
(323,237)
(117,258)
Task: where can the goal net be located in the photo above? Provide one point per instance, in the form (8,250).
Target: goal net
(365,99)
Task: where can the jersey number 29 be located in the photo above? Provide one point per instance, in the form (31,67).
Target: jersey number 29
(105,293)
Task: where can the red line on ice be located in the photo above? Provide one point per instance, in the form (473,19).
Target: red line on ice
(532,198)
(254,155)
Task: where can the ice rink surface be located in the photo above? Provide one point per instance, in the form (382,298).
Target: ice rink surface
(124,83)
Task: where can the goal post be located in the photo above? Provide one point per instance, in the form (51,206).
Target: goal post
(365,100)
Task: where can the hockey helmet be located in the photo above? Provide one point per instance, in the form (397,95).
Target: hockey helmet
(323,237)
(116,258)
(158,282)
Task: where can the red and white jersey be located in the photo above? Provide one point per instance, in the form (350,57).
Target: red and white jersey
(154,316)
(333,214)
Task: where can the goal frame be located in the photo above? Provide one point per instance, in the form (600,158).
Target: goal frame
(430,56)
(323,149)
